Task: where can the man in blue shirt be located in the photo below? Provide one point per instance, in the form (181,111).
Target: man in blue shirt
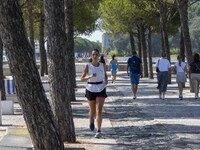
(134,66)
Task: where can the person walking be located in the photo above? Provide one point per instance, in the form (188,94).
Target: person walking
(180,69)
(163,66)
(113,65)
(134,66)
(95,75)
(102,60)
(194,74)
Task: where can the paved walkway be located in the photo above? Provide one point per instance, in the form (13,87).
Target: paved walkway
(145,123)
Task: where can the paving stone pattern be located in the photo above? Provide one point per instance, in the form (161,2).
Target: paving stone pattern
(151,123)
(134,135)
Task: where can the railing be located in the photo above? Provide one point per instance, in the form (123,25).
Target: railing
(80,66)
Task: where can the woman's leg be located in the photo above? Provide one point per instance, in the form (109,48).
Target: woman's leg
(114,77)
(180,88)
(198,84)
(99,109)
(160,94)
(194,84)
(198,88)
(164,81)
(134,88)
(92,109)
(159,81)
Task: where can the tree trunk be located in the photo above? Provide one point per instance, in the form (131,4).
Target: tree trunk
(182,48)
(164,32)
(30,26)
(182,7)
(132,41)
(144,50)
(70,43)
(2,86)
(150,54)
(43,56)
(31,95)
(59,68)
(139,42)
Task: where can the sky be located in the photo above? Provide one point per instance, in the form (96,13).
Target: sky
(95,36)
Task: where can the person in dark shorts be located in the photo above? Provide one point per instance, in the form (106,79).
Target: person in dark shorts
(134,66)
(194,74)
(95,75)
(163,65)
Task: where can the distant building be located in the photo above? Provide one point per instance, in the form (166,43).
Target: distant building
(106,42)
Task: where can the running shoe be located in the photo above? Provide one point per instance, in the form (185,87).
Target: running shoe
(92,126)
(98,135)
(163,98)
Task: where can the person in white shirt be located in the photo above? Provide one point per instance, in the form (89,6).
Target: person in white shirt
(180,69)
(95,75)
(163,65)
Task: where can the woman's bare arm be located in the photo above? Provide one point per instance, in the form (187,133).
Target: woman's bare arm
(83,76)
(106,76)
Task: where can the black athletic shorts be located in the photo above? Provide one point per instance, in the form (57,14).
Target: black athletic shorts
(93,95)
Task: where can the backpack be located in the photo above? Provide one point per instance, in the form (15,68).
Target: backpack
(135,63)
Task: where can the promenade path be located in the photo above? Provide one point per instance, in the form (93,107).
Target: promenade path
(151,123)
(146,123)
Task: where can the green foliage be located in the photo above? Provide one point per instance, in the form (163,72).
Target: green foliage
(174,51)
(35,15)
(194,26)
(173,20)
(85,16)
(195,33)
(120,43)
(194,10)
(82,45)
(156,44)
(113,52)
(124,16)
(107,49)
